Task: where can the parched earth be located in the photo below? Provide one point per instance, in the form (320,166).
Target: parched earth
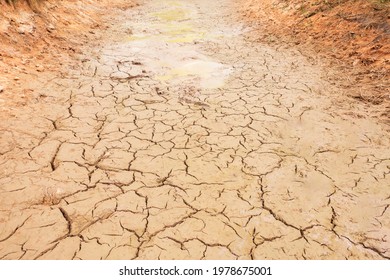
(178,137)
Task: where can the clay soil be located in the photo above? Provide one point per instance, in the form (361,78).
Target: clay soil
(168,130)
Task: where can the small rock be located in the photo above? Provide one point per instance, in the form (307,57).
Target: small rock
(1,89)
(298,6)
(40,68)
(356,62)
(25,28)
(159,91)
(50,28)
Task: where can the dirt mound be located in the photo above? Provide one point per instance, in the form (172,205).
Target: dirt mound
(354,32)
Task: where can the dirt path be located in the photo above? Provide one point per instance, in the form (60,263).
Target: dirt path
(183,140)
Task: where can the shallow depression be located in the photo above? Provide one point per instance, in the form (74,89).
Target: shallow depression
(172,50)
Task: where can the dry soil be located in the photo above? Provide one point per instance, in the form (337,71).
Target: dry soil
(176,137)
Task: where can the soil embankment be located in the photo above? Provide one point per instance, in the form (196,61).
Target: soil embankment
(43,38)
(354,33)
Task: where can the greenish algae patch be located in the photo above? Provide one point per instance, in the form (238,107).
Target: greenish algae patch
(171,15)
(174,73)
(178,29)
(187,38)
(211,74)
(138,38)
(173,3)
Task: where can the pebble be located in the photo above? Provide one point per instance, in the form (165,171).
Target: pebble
(356,62)
(39,68)
(25,29)
(50,28)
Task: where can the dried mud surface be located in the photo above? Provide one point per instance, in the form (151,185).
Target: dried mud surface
(177,138)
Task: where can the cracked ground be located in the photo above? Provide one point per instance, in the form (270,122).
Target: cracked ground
(178,137)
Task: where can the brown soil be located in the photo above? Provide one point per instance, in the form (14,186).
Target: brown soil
(354,32)
(170,134)
(44,39)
